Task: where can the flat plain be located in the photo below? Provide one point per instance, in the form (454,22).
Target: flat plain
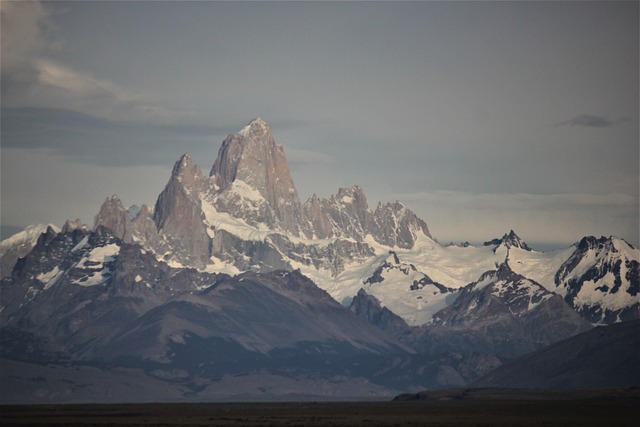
(455,407)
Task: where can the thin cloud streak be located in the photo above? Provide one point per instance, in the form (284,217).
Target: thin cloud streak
(58,85)
(80,137)
(588,121)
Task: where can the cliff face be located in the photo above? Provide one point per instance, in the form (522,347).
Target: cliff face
(178,212)
(248,213)
(251,166)
(113,215)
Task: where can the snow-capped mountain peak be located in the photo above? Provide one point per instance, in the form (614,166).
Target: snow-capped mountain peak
(29,235)
(20,244)
(517,292)
(246,216)
(600,279)
(229,273)
(508,240)
(508,307)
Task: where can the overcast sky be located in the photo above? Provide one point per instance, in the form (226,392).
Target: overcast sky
(480,116)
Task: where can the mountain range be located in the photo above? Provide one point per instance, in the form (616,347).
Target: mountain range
(231,287)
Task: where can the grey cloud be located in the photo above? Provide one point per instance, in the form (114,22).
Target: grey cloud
(95,140)
(84,138)
(587,120)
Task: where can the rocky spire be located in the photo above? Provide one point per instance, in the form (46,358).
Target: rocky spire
(396,225)
(512,240)
(113,216)
(251,159)
(69,226)
(178,212)
(509,240)
(345,214)
(252,156)
(177,195)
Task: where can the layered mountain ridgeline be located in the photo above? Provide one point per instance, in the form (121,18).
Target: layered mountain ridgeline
(247,216)
(87,299)
(249,207)
(230,277)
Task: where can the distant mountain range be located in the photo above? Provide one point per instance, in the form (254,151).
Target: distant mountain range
(231,281)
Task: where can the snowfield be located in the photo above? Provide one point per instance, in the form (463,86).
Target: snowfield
(95,263)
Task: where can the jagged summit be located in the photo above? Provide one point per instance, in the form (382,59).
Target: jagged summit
(603,243)
(76,224)
(250,161)
(186,171)
(509,240)
(602,270)
(253,156)
(514,312)
(255,126)
(250,192)
(512,240)
(113,215)
(246,216)
(219,279)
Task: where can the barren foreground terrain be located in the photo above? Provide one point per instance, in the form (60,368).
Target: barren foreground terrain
(456,407)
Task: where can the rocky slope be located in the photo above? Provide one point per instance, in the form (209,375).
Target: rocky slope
(505,314)
(89,298)
(607,356)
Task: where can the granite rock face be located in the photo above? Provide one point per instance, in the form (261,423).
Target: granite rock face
(396,225)
(113,216)
(248,213)
(251,166)
(178,213)
(345,214)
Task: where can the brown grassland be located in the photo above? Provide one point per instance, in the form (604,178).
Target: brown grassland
(456,407)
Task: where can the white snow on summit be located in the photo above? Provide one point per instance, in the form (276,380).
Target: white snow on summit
(28,236)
